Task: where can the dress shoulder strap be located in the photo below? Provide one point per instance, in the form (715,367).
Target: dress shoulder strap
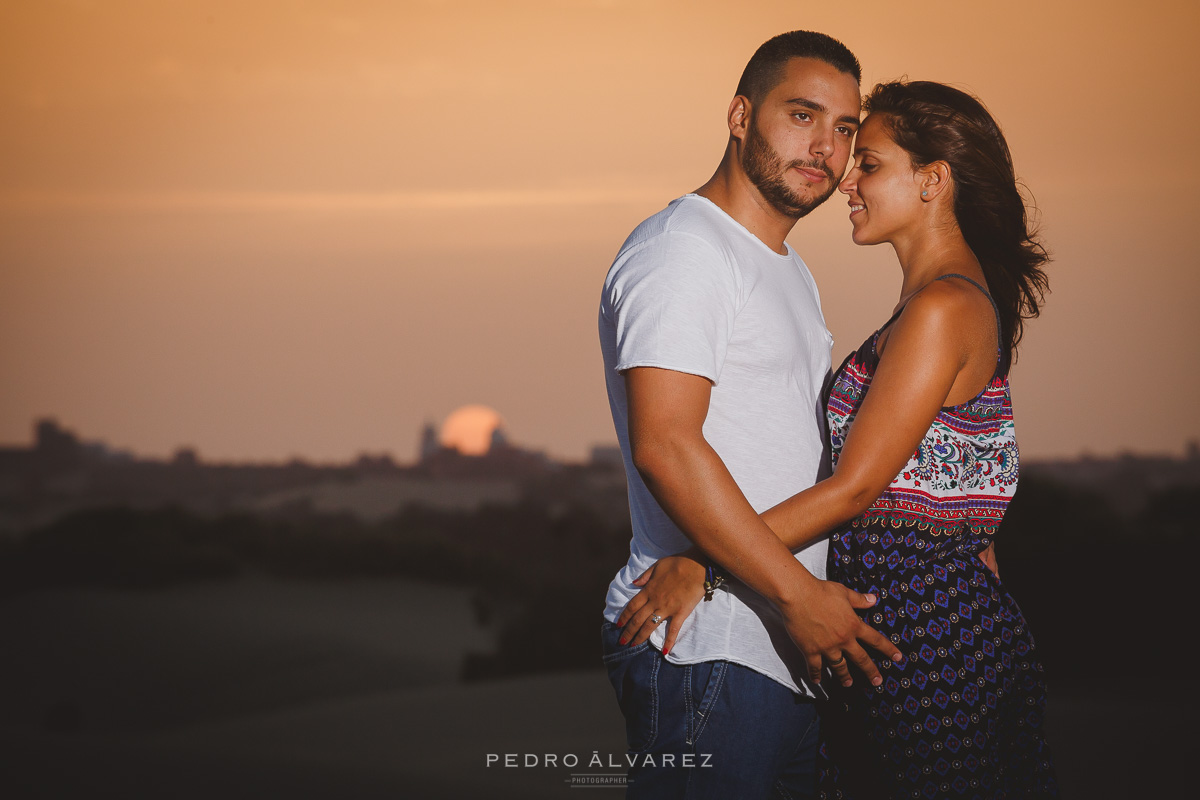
(988,295)
(895,315)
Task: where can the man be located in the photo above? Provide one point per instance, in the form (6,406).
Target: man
(716,354)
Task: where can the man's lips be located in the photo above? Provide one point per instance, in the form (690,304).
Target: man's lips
(813,175)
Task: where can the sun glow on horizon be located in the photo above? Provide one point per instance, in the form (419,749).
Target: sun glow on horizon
(469,429)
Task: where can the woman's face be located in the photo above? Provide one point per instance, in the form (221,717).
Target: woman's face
(883,187)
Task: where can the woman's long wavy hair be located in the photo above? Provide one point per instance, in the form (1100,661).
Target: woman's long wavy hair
(935,122)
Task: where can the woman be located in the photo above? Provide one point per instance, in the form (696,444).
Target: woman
(925,462)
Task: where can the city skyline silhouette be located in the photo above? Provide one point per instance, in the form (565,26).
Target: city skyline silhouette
(269,231)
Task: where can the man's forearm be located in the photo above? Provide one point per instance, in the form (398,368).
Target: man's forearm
(694,487)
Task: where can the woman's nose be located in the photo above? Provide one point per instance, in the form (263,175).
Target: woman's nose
(849,182)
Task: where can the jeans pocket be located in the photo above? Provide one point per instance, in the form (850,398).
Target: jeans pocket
(610,648)
(633,673)
(704,683)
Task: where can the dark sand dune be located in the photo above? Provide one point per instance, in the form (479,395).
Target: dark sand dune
(435,743)
(416,744)
(99,661)
(264,689)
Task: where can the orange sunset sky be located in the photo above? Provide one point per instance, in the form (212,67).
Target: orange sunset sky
(268,228)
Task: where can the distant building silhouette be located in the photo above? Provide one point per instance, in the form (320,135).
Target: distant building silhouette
(429,441)
(61,473)
(502,461)
(56,449)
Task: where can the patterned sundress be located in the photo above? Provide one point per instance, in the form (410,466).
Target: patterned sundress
(961,716)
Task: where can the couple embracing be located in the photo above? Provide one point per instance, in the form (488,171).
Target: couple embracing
(812,600)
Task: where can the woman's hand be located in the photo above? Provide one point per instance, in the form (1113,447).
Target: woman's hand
(988,557)
(671,588)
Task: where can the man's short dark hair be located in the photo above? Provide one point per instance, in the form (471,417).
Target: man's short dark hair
(765,70)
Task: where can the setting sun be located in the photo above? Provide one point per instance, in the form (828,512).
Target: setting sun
(469,429)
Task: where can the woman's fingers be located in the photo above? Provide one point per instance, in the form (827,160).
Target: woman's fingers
(649,626)
(645,576)
(640,625)
(674,623)
(988,557)
(632,607)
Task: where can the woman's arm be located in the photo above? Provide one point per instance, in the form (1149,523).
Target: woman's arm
(690,482)
(926,352)
(927,349)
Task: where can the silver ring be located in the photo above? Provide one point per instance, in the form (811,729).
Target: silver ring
(655,618)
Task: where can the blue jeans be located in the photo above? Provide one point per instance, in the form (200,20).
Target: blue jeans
(710,730)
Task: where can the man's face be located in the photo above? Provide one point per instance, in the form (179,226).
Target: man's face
(798,141)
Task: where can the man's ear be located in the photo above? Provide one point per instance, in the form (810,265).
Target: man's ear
(739,117)
(934,179)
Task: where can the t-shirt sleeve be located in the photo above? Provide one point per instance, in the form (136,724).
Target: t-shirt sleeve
(673,299)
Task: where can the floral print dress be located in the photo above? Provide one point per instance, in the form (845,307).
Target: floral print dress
(962,714)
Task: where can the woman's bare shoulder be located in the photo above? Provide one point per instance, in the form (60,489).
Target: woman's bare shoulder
(949,305)
(946,313)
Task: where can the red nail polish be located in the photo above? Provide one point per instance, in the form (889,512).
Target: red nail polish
(621,641)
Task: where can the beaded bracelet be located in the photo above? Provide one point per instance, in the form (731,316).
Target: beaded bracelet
(713,580)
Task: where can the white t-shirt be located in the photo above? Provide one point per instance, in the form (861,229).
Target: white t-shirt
(693,291)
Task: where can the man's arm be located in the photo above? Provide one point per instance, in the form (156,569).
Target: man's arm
(667,410)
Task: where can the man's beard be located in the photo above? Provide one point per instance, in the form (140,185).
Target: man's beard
(765,169)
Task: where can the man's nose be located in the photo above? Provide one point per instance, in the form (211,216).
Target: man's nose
(822,143)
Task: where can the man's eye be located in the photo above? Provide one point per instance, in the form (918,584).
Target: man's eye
(802,116)
(844,131)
